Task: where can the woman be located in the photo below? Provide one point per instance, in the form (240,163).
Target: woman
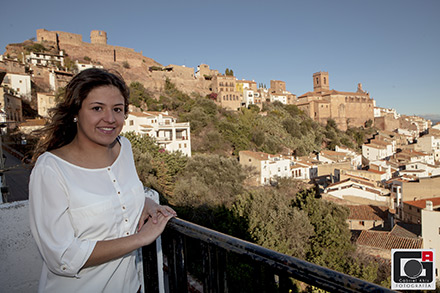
(87,204)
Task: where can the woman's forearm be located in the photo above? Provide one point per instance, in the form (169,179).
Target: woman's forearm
(107,250)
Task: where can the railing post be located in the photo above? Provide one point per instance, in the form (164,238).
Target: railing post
(214,269)
(177,266)
(149,259)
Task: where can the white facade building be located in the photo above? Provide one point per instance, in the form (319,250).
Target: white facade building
(169,134)
(45,59)
(379,112)
(268,167)
(279,97)
(357,189)
(303,170)
(84,66)
(248,97)
(431,231)
(20,83)
(377,150)
(429,144)
(420,170)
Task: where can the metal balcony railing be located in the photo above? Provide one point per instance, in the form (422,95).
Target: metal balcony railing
(184,243)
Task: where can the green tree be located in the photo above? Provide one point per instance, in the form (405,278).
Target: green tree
(70,65)
(273,223)
(36,48)
(126,65)
(368,123)
(229,72)
(59,94)
(156,167)
(331,240)
(208,182)
(140,96)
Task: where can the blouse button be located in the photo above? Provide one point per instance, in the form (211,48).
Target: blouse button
(119,192)
(127,233)
(108,169)
(123,207)
(114,180)
(126,220)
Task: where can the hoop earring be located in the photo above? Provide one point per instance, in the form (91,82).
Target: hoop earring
(75,120)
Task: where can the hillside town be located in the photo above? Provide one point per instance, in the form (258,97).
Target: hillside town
(391,186)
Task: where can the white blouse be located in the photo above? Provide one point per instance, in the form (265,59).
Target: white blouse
(71,208)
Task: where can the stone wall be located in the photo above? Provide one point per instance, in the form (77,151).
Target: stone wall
(386,122)
(59,37)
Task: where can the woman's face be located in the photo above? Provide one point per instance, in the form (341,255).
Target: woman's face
(101,116)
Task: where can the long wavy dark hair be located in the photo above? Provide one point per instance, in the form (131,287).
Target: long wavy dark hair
(61,129)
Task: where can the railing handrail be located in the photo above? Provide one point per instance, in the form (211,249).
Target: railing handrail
(301,270)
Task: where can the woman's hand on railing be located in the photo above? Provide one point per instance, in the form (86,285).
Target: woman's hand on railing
(149,231)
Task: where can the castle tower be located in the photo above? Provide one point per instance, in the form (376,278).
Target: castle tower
(320,81)
(98,37)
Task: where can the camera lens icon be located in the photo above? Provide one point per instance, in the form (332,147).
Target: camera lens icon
(413,268)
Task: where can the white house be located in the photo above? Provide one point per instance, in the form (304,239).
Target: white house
(303,170)
(169,134)
(431,230)
(248,97)
(268,167)
(420,170)
(355,158)
(377,150)
(429,144)
(355,188)
(20,83)
(45,59)
(411,156)
(379,112)
(83,66)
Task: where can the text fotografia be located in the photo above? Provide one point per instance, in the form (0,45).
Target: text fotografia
(412,269)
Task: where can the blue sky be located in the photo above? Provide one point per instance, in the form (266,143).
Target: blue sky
(390,46)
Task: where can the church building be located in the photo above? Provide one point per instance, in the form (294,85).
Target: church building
(347,109)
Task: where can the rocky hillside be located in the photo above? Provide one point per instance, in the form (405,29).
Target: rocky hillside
(132,65)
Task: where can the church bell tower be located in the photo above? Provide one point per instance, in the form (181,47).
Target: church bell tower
(320,81)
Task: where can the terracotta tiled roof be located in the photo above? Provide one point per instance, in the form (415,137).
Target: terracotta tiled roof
(358,180)
(387,240)
(376,171)
(422,202)
(333,92)
(367,212)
